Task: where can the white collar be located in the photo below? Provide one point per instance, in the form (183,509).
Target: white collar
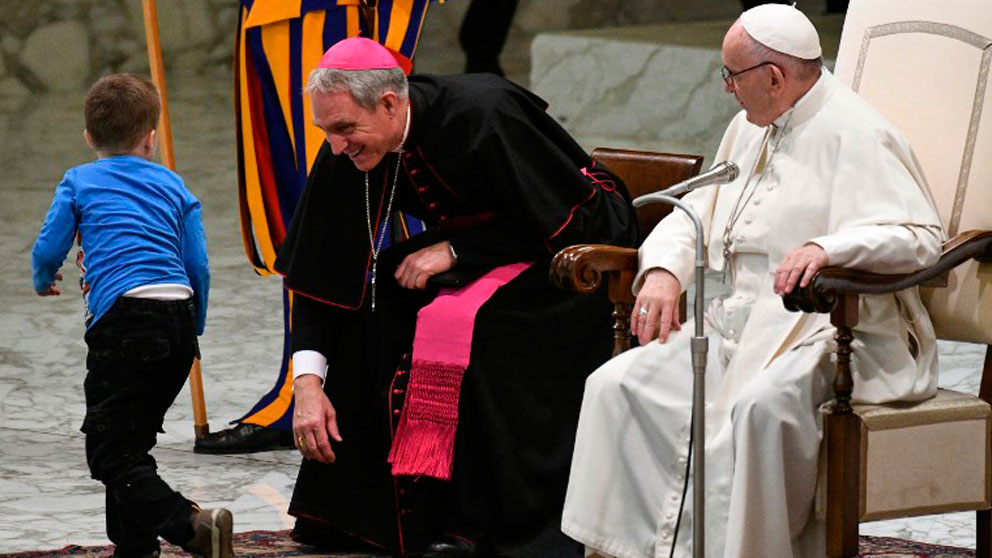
(810,103)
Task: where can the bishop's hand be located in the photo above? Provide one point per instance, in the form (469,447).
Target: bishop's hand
(315,422)
(415,269)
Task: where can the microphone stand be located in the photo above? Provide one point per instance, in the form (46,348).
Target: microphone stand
(699,345)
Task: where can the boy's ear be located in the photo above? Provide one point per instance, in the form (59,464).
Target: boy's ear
(147,145)
(88,138)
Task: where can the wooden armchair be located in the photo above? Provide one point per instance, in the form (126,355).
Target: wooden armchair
(585,267)
(886,461)
(902,459)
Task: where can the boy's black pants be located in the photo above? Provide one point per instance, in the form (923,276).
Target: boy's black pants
(140,353)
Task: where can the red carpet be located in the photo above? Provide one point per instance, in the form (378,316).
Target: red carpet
(276,544)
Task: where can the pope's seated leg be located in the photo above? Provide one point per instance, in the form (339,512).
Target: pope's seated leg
(635,414)
(777,428)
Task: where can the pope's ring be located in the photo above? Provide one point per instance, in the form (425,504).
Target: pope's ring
(643,311)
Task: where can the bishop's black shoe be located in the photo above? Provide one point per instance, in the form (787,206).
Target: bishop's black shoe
(244,438)
(455,546)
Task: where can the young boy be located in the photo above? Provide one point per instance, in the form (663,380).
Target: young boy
(146,266)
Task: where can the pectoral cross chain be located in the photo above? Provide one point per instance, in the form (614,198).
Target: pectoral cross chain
(373,284)
(728,253)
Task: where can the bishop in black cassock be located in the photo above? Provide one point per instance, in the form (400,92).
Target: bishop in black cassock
(497,181)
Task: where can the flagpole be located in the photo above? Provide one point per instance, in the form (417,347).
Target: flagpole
(200,426)
(158,77)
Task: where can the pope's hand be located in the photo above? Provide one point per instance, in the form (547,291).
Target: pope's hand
(315,422)
(421,265)
(799,266)
(656,307)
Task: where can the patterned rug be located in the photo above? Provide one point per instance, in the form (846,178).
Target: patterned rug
(277,544)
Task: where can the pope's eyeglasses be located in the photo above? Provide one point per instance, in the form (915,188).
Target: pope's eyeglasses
(728,76)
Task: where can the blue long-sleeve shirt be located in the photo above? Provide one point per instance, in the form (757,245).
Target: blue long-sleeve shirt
(139,226)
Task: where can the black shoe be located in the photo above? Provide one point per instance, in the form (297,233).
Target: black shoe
(244,438)
(455,546)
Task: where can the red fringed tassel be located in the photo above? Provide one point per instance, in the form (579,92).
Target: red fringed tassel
(424,443)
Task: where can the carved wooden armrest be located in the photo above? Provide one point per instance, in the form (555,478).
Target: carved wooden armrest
(822,292)
(582,267)
(585,267)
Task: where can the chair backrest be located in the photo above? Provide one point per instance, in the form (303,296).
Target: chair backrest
(925,65)
(645,172)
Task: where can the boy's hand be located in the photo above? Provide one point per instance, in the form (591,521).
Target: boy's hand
(52,289)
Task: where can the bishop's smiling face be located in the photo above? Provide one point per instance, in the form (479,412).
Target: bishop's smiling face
(364,135)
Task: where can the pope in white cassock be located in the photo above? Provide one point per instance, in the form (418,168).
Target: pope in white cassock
(825,181)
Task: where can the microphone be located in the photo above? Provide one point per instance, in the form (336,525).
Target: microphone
(724,172)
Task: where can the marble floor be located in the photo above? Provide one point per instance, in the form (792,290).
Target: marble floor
(47,499)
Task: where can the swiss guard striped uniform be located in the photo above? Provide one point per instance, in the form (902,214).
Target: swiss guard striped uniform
(279,43)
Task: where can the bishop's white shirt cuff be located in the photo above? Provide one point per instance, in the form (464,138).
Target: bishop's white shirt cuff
(309,362)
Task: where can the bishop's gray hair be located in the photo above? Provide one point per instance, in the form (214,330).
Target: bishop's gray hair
(365,86)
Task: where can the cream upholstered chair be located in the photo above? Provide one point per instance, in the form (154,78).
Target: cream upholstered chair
(925,65)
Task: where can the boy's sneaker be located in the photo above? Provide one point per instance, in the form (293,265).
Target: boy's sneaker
(212,533)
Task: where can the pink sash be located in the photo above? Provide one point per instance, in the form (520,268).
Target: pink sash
(424,443)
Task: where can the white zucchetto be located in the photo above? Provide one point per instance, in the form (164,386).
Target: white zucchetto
(782,28)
